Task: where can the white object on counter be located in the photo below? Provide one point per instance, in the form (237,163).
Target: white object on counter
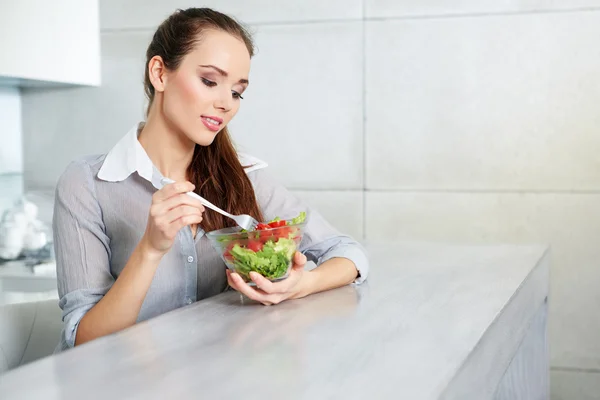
(21,230)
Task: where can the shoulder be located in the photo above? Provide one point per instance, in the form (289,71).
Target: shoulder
(80,167)
(80,173)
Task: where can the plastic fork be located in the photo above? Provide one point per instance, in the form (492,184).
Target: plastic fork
(244,221)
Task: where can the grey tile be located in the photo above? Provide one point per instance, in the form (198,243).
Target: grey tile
(408,8)
(303,109)
(128,14)
(567,385)
(500,103)
(342,209)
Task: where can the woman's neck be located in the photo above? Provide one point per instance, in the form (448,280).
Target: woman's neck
(169,150)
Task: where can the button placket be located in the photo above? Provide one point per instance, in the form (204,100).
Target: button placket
(190,271)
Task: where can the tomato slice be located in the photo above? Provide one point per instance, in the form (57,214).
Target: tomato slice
(255,245)
(227,253)
(277,224)
(283,233)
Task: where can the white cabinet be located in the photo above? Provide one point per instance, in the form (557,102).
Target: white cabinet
(49,42)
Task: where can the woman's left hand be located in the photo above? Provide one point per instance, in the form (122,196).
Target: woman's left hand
(296,285)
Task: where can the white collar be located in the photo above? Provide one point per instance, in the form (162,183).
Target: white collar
(128,156)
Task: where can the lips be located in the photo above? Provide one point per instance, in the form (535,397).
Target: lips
(211,122)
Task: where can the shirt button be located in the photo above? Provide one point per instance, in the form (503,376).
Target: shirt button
(188,300)
(190,259)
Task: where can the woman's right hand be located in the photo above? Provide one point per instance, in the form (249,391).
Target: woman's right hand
(171,210)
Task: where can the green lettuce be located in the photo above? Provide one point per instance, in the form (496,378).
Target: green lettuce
(299,219)
(271,262)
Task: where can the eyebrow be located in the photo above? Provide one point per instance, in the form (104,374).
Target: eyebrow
(224,73)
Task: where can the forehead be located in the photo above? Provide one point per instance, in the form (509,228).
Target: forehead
(222,50)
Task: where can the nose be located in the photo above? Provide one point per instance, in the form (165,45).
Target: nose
(224,101)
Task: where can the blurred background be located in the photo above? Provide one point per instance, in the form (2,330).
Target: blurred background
(460,122)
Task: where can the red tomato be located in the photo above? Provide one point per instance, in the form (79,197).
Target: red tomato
(262,227)
(227,253)
(283,233)
(277,224)
(265,234)
(255,245)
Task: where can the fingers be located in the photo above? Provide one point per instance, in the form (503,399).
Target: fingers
(179,200)
(171,190)
(185,221)
(299,260)
(173,221)
(165,206)
(181,212)
(236,282)
(269,287)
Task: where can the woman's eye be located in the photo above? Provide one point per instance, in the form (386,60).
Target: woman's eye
(236,95)
(208,83)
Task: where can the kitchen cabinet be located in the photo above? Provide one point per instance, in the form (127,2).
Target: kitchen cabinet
(49,43)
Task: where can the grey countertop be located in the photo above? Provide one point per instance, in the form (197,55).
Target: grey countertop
(432,322)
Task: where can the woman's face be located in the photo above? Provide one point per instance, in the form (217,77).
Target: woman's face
(203,94)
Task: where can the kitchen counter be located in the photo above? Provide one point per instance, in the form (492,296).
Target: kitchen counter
(22,283)
(432,322)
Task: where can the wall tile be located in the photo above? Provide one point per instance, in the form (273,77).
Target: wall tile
(303,109)
(408,8)
(342,209)
(497,103)
(148,14)
(566,385)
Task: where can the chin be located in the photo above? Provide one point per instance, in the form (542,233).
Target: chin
(204,138)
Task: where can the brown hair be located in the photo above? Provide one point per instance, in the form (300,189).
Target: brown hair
(215,169)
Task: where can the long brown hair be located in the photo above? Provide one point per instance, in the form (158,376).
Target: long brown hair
(215,169)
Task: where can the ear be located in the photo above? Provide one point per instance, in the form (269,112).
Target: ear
(157,73)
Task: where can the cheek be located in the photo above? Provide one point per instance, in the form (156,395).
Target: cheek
(234,109)
(191,92)
(187,96)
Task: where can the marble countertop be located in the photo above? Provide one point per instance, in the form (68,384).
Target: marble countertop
(432,322)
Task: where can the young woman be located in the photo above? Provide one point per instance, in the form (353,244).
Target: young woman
(129,248)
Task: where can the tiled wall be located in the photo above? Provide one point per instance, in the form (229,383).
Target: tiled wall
(469,121)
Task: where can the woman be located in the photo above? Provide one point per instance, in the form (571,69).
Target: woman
(129,249)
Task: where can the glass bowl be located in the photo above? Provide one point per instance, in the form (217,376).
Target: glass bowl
(269,250)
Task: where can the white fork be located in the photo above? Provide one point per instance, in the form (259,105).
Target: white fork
(244,221)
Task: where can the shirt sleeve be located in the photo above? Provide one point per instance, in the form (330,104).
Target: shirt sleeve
(321,241)
(81,246)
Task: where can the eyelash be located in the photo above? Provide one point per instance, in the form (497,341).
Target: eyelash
(208,83)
